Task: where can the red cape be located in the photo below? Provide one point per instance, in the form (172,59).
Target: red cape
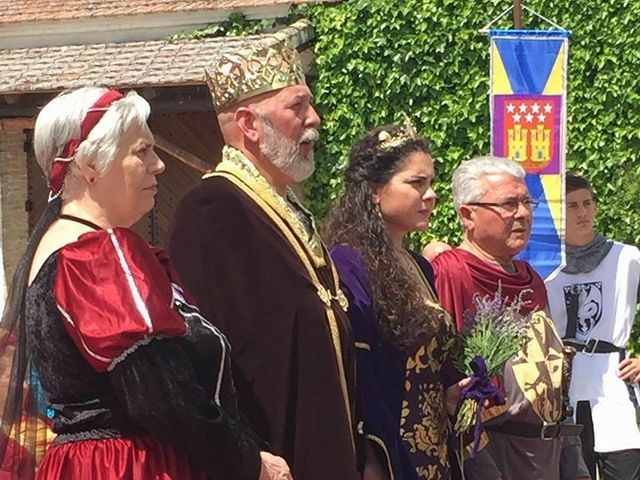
(459,274)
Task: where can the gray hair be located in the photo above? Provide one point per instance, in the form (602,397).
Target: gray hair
(60,121)
(467,184)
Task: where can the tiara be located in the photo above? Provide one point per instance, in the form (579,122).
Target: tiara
(407,132)
(265,66)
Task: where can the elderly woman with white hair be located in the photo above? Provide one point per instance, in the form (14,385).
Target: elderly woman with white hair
(98,332)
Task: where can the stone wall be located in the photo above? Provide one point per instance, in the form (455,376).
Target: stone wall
(13,175)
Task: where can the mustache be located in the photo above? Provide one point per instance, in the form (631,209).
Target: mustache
(310,135)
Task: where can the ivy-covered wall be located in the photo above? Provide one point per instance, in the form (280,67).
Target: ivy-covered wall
(378,58)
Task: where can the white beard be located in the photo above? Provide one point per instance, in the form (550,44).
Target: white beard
(285,154)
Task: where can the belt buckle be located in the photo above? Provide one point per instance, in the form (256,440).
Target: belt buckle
(546,431)
(590,346)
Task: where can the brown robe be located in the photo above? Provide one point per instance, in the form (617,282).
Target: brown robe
(247,278)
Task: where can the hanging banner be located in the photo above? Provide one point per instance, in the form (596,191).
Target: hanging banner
(528,124)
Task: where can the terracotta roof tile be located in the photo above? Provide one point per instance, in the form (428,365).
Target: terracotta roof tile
(12,11)
(132,64)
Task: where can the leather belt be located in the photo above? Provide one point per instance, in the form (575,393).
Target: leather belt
(592,345)
(544,431)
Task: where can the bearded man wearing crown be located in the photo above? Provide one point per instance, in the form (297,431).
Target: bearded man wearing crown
(250,253)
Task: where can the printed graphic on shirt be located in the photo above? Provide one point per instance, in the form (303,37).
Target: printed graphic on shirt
(589,297)
(537,368)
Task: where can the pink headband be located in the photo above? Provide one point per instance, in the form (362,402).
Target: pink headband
(61,164)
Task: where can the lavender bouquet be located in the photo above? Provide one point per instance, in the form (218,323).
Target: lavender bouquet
(489,338)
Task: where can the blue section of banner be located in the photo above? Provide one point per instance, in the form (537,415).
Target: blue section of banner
(528,63)
(544,233)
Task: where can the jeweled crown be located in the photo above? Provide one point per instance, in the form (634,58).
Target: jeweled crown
(267,65)
(388,141)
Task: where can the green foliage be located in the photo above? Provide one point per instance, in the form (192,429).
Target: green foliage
(378,58)
(237,25)
(495,333)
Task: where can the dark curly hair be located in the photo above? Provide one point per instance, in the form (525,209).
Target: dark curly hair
(403,319)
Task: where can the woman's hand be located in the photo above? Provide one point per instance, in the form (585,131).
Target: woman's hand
(452,395)
(629,370)
(274,468)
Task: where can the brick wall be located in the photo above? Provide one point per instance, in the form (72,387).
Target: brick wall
(13,175)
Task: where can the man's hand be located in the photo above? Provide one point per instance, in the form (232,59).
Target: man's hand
(273,468)
(372,468)
(629,370)
(452,396)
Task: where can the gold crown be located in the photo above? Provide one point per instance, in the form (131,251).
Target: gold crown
(407,132)
(267,65)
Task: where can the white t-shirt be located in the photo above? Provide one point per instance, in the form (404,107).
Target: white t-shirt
(607,298)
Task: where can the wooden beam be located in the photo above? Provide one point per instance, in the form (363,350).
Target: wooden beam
(177,99)
(12,98)
(181,154)
(183,99)
(16,123)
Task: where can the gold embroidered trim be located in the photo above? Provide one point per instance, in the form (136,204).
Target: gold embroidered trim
(295,242)
(236,163)
(431,298)
(419,274)
(363,346)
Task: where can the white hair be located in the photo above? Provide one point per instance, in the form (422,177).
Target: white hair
(467,184)
(60,121)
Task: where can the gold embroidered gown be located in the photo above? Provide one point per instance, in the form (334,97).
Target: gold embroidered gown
(400,393)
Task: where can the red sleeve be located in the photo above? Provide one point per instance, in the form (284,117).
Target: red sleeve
(453,284)
(114,295)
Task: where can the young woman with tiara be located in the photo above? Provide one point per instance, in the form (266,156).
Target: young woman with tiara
(403,337)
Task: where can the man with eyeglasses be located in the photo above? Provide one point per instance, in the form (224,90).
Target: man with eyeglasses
(526,435)
(593,301)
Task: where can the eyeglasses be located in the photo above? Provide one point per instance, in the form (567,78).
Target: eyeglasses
(509,207)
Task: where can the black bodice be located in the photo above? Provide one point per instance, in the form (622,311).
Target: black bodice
(163,387)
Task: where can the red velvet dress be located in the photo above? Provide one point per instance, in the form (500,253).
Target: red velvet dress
(136,380)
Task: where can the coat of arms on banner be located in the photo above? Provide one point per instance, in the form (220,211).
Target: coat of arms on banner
(529,130)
